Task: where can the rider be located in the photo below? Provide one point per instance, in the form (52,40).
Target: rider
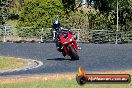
(56,28)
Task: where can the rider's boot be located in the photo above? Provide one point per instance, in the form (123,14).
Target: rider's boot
(64,54)
(79,48)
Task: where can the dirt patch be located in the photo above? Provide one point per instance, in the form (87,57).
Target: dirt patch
(69,76)
(23,79)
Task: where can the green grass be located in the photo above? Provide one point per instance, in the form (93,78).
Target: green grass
(62,84)
(11,63)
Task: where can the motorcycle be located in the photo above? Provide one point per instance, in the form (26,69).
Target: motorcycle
(69,44)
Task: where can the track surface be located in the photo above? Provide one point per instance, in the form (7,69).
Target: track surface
(93,57)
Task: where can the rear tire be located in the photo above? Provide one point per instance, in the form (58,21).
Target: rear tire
(73,53)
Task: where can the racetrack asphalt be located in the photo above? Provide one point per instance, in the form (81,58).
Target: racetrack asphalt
(93,57)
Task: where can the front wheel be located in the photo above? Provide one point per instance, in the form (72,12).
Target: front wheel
(73,54)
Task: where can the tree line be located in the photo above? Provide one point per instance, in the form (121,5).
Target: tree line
(40,14)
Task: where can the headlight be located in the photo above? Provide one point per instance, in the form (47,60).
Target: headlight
(65,43)
(70,40)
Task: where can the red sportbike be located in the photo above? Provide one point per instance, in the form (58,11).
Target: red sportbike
(69,44)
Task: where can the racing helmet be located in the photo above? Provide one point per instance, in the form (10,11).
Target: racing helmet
(56,24)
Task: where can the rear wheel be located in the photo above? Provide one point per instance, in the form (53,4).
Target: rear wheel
(73,54)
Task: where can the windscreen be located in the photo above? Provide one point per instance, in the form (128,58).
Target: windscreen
(64,34)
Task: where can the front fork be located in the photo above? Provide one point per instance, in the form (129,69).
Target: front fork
(76,45)
(66,48)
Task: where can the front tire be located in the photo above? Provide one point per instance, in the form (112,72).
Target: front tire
(73,54)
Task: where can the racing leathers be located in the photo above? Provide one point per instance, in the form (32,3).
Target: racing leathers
(56,40)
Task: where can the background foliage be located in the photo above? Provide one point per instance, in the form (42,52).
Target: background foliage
(40,13)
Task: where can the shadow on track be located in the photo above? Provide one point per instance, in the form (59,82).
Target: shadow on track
(61,59)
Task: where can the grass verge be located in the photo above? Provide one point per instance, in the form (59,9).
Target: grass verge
(62,84)
(55,82)
(8,63)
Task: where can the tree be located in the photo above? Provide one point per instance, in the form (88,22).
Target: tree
(77,20)
(40,13)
